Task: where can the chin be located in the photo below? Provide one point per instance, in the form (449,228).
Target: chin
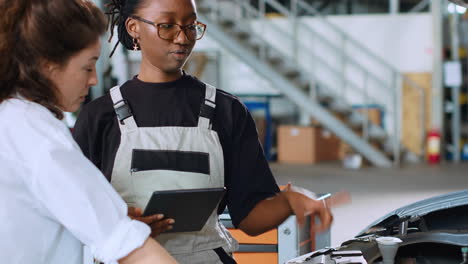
(72,108)
(179,64)
(173,70)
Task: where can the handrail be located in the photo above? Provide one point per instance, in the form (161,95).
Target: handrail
(345,37)
(393,74)
(308,7)
(326,41)
(254,11)
(257,13)
(420,6)
(311,9)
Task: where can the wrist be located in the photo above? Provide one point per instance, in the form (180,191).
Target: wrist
(286,198)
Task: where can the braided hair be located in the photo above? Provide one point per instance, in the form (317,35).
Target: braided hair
(119,11)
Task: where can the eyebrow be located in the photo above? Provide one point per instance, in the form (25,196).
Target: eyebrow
(172,13)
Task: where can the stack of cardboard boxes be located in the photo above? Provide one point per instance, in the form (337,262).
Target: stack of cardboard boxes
(298,144)
(314,144)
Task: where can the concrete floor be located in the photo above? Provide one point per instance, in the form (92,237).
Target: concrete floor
(375,192)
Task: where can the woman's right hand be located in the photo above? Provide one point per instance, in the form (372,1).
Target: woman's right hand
(157,222)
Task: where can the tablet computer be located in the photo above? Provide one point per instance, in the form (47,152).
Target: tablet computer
(190,208)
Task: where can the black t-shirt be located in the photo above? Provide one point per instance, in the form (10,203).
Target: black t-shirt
(248,178)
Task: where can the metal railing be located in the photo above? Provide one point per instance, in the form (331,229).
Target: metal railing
(391,83)
(395,84)
(226,36)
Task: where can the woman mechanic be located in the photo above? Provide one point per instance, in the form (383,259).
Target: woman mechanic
(53,200)
(145,134)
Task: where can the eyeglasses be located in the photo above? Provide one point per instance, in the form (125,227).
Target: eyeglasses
(168,31)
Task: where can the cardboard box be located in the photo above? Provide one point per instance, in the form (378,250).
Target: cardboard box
(298,144)
(373,114)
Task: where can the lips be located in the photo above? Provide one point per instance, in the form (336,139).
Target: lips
(83,97)
(180,54)
(184,52)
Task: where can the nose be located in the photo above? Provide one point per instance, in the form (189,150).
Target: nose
(182,38)
(93,79)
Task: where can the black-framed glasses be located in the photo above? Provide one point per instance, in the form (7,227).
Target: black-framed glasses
(170,31)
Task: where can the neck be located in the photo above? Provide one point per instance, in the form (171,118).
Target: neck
(149,73)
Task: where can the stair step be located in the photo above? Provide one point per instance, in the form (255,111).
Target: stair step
(288,70)
(227,23)
(255,46)
(274,60)
(325,98)
(202,9)
(340,107)
(377,133)
(291,73)
(355,120)
(241,34)
(255,43)
(301,82)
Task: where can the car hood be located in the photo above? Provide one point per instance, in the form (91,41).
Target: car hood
(454,202)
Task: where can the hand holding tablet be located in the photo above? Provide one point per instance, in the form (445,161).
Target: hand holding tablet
(190,208)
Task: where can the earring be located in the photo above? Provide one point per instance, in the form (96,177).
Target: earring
(136,46)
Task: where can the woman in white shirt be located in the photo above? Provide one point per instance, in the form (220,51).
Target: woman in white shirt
(52,199)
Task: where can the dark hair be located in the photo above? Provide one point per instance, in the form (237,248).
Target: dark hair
(460,2)
(35,31)
(119,11)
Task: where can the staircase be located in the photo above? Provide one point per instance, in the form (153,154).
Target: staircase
(244,30)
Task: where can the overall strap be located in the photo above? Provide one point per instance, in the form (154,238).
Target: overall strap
(123,111)
(205,119)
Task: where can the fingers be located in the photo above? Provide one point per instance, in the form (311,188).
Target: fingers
(135,211)
(152,218)
(303,206)
(161,226)
(326,219)
(165,224)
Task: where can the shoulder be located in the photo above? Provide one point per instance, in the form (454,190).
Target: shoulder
(230,111)
(231,106)
(30,126)
(100,106)
(225,96)
(23,114)
(103,106)
(96,112)
(16,106)
(224,99)
(220,94)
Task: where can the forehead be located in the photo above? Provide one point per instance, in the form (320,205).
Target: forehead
(88,55)
(175,8)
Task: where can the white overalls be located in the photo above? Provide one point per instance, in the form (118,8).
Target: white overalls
(170,158)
